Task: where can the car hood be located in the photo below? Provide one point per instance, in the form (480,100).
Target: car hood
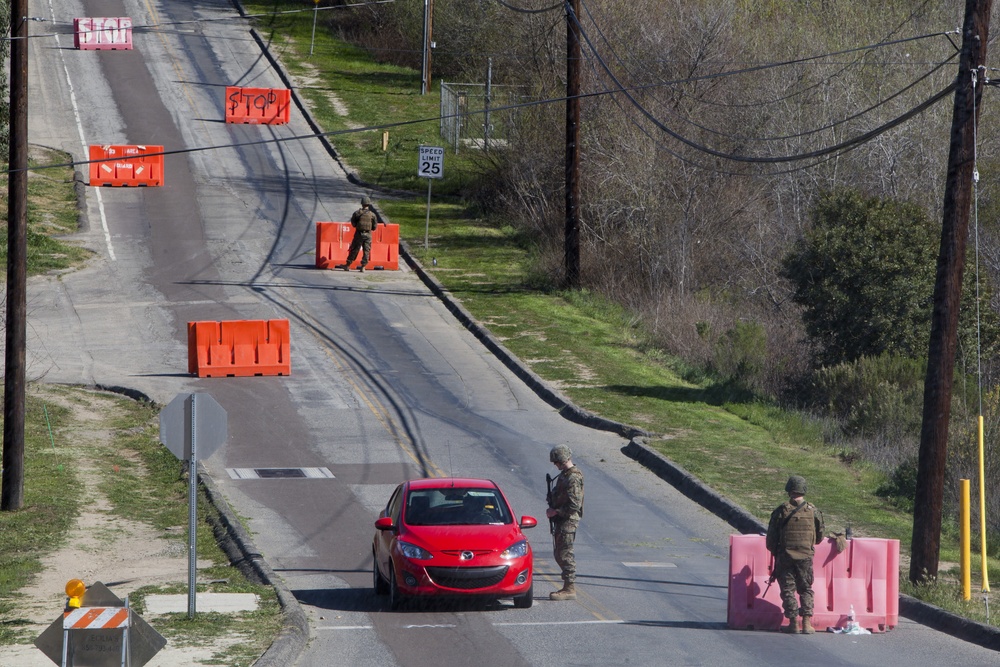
(474,538)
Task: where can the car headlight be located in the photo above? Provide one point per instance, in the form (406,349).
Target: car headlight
(516,550)
(413,552)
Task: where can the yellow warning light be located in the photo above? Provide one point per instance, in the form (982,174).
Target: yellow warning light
(75,590)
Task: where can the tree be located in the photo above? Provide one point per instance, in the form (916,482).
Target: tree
(864,274)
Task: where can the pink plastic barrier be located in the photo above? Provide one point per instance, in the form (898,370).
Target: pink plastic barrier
(90,34)
(865,575)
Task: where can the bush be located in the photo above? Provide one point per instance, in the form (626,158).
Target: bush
(740,354)
(878,403)
(901,487)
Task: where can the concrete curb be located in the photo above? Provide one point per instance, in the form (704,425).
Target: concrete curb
(239,546)
(927,614)
(551,396)
(693,488)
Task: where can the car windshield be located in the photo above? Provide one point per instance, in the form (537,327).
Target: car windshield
(455,507)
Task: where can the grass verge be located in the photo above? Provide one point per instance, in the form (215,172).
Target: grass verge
(113,458)
(52,212)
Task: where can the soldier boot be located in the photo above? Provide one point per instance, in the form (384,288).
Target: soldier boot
(567,592)
(792,627)
(807,626)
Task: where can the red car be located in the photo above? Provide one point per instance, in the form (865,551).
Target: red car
(451,537)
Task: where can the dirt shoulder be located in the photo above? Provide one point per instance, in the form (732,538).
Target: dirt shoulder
(102,546)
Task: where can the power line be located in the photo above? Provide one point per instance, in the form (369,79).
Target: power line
(798,135)
(620,88)
(522,10)
(862,138)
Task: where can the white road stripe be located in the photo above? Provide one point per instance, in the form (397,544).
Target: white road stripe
(512,623)
(86,148)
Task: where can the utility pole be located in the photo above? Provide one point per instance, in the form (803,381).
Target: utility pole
(12,492)
(926,543)
(573,57)
(425,83)
(486,105)
(430,44)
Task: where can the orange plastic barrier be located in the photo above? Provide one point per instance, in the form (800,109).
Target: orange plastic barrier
(91,34)
(263,106)
(239,348)
(865,576)
(126,165)
(333,240)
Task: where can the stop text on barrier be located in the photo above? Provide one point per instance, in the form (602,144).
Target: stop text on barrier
(102,33)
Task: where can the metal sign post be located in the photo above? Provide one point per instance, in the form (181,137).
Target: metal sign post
(193,510)
(430,165)
(193,425)
(315,13)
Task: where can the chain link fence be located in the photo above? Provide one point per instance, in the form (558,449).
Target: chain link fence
(468,117)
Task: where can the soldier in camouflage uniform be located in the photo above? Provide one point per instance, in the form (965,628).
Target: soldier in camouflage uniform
(565,511)
(364,221)
(792,533)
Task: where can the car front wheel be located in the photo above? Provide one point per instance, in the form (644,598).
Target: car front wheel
(379,583)
(395,596)
(525,600)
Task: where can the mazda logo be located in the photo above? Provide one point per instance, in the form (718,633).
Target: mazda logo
(467,555)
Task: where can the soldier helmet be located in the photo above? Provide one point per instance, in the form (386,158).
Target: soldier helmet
(560,454)
(796,485)
(366,201)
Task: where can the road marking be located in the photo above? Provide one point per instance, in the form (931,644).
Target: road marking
(497,625)
(595,622)
(83,140)
(279,473)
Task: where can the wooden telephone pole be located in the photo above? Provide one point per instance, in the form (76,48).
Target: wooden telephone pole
(926,543)
(12,484)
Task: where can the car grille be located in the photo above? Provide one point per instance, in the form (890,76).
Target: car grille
(467,578)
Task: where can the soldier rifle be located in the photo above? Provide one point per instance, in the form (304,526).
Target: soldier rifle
(771,579)
(548,499)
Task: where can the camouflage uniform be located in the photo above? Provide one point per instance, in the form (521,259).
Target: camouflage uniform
(363,221)
(792,541)
(567,500)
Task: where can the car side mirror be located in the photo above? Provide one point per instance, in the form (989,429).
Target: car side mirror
(528,522)
(385,523)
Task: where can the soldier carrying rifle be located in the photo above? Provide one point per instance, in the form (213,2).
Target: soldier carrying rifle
(792,533)
(565,511)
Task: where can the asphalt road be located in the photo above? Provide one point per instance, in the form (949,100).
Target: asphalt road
(385,383)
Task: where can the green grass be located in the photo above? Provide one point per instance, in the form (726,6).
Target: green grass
(375,95)
(50,506)
(52,212)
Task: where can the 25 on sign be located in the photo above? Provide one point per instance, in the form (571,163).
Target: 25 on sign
(431,163)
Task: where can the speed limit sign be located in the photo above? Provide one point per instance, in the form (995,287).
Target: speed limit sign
(431,163)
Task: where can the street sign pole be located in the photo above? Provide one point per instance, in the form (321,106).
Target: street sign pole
(193,426)
(430,165)
(427,224)
(315,13)
(193,509)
